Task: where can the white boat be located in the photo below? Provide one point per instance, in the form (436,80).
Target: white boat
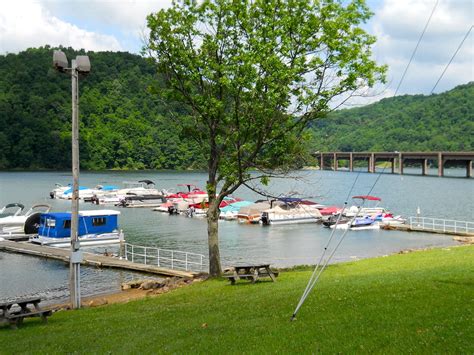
(11,209)
(95,227)
(291,211)
(363,223)
(365,211)
(252,213)
(23,223)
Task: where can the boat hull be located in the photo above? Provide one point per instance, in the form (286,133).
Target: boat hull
(85,240)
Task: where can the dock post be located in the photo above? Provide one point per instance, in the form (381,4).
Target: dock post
(321,166)
(351,162)
(335,161)
(440,164)
(424,166)
(392,162)
(469,168)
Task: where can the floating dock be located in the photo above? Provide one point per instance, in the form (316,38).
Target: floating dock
(89,259)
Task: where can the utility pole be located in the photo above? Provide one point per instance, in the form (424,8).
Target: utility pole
(80,65)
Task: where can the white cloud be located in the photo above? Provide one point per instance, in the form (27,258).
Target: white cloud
(398,25)
(28,24)
(126,19)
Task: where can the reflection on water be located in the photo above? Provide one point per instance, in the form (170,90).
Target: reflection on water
(279,245)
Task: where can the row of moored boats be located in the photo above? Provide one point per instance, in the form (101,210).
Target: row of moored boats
(98,227)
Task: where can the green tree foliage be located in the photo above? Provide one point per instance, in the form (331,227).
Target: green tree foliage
(252,76)
(122,126)
(403,123)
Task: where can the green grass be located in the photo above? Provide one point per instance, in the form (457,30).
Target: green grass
(419,302)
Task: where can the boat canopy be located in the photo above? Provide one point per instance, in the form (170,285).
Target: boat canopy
(236,206)
(367,197)
(58,224)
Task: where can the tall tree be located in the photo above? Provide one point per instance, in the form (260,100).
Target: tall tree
(252,75)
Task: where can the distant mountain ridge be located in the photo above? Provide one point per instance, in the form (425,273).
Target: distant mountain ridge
(405,123)
(124,126)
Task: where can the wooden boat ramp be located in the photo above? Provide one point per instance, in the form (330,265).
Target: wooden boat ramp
(90,259)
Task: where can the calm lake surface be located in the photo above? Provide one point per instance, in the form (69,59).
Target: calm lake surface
(448,197)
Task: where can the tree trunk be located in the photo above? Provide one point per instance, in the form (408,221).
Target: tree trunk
(213,237)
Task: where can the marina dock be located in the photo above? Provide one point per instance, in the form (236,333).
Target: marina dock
(89,259)
(436,225)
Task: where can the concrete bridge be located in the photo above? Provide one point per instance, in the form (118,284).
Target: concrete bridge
(397,160)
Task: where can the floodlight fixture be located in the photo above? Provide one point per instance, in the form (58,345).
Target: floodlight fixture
(83,64)
(60,61)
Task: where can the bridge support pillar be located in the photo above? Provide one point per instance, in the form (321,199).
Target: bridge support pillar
(335,161)
(392,163)
(440,165)
(424,167)
(400,164)
(372,163)
(469,168)
(351,162)
(321,162)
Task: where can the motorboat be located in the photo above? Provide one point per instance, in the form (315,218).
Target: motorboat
(253,213)
(134,201)
(358,223)
(26,223)
(85,193)
(291,210)
(58,190)
(11,209)
(95,227)
(365,211)
(230,212)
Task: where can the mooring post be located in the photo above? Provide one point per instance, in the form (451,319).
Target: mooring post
(351,162)
(392,162)
(334,155)
(468,168)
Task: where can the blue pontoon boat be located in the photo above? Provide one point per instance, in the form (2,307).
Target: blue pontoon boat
(96,227)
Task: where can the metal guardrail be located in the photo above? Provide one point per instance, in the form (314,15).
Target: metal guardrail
(441,225)
(170,259)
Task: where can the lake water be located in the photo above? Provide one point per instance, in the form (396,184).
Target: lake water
(450,198)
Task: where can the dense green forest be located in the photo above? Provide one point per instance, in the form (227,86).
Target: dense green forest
(405,123)
(125,126)
(122,125)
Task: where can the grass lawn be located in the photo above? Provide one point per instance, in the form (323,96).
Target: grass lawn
(420,302)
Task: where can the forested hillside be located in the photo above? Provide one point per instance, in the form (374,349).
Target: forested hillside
(124,126)
(404,123)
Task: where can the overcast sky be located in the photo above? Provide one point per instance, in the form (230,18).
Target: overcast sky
(100,25)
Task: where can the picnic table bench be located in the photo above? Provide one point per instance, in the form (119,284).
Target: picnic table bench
(251,272)
(14,312)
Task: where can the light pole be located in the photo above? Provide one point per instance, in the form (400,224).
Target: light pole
(80,65)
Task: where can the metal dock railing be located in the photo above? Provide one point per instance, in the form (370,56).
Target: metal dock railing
(170,259)
(441,225)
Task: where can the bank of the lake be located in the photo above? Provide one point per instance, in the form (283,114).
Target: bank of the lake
(419,302)
(281,246)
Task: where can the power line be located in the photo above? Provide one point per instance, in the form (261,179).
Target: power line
(414,51)
(447,65)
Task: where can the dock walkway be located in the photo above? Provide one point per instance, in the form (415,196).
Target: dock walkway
(89,259)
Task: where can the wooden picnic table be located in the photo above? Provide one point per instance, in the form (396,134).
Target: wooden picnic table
(13,312)
(251,272)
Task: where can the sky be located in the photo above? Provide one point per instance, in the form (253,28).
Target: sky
(120,25)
